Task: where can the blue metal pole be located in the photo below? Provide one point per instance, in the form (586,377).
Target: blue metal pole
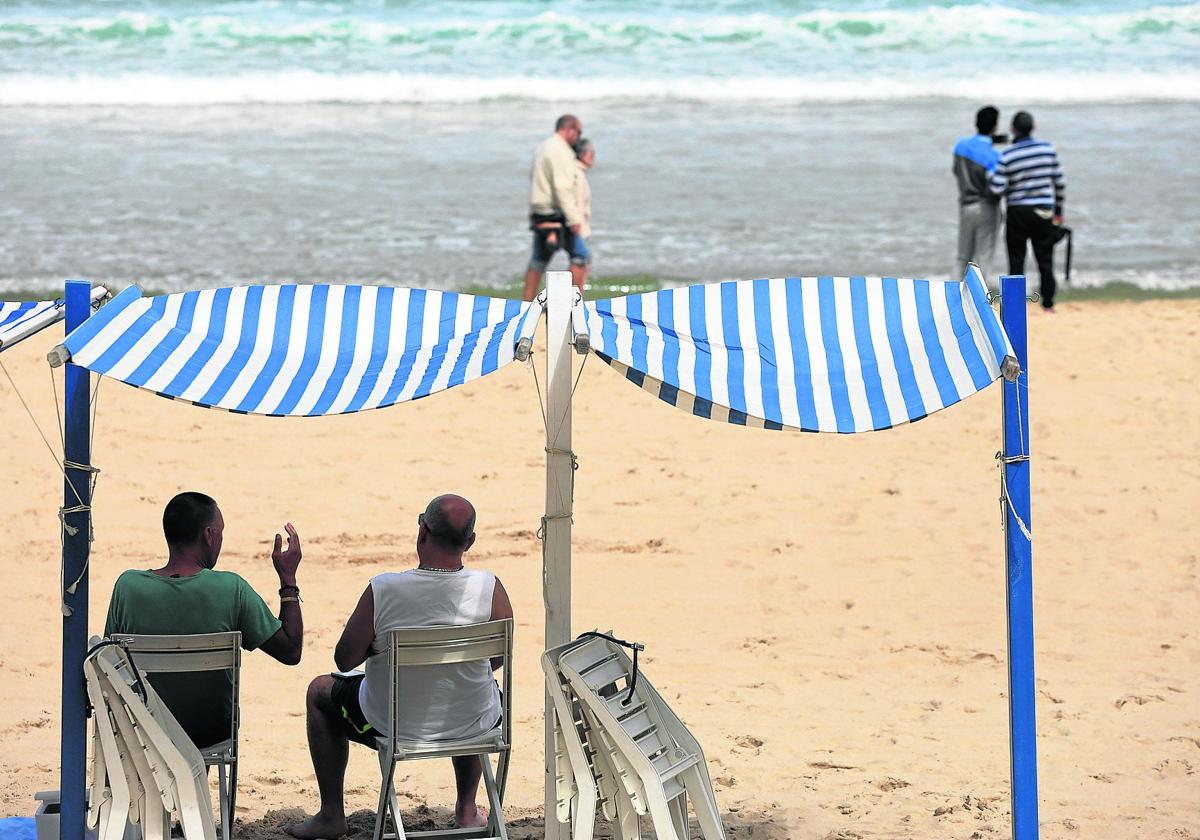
(76,536)
(1018,549)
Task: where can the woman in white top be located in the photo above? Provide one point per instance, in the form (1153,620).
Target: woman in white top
(438,703)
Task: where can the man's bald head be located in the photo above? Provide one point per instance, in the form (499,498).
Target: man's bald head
(450,521)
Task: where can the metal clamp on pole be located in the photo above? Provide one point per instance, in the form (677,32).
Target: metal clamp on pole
(581,341)
(524,347)
(59,356)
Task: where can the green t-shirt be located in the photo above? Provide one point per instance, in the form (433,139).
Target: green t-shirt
(206,602)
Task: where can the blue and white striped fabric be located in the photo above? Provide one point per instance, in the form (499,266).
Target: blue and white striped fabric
(819,354)
(14,316)
(300,350)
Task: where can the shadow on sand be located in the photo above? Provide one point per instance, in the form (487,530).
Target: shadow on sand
(523,824)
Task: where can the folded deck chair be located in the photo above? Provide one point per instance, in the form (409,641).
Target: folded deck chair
(109,798)
(433,646)
(194,654)
(657,760)
(163,758)
(584,781)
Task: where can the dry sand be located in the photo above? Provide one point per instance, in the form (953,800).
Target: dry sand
(827,613)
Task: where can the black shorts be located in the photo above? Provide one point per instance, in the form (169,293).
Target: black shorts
(345,699)
(354,723)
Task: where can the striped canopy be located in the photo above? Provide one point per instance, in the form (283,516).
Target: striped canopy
(818,354)
(18,321)
(300,350)
(14,317)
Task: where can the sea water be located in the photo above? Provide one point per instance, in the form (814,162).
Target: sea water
(184,144)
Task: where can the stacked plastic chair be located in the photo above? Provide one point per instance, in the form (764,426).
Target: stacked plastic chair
(145,769)
(584,780)
(623,748)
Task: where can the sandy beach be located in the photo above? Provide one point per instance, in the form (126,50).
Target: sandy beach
(826,613)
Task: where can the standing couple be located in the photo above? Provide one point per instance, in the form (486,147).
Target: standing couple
(560,203)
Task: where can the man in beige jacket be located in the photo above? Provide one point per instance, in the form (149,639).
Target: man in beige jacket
(555,211)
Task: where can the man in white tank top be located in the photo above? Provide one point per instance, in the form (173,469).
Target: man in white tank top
(438,703)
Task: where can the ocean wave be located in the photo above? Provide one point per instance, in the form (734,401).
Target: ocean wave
(885,29)
(305,87)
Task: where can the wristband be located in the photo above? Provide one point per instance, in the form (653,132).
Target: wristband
(293,598)
(295,590)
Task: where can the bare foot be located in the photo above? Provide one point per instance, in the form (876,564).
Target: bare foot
(471,817)
(318,827)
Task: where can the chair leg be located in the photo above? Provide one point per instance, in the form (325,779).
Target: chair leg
(583,818)
(156,823)
(627,825)
(698,786)
(679,816)
(232,793)
(387,799)
(223,806)
(496,826)
(502,764)
(662,816)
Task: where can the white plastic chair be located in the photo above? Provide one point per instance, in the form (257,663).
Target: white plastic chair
(585,780)
(192,654)
(110,805)
(446,646)
(656,759)
(157,752)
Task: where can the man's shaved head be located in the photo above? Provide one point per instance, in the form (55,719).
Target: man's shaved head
(450,520)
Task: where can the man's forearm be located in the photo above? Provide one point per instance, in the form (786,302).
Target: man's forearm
(291,616)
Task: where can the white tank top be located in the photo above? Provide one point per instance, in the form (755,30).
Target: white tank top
(437,702)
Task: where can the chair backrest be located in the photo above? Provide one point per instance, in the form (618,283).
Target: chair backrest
(190,654)
(641,730)
(452,645)
(184,654)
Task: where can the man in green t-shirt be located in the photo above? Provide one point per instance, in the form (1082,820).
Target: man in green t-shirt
(187,596)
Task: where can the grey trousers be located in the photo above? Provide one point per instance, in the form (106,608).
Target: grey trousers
(978,225)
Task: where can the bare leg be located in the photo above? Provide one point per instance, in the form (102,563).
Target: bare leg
(329,748)
(579,275)
(467,771)
(533,279)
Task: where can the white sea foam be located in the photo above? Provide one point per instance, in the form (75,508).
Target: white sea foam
(305,87)
(985,23)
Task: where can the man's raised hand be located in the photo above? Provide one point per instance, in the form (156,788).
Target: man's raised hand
(286,561)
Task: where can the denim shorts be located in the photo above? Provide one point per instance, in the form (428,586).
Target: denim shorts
(576,247)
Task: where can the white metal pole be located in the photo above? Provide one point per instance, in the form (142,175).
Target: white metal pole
(556,555)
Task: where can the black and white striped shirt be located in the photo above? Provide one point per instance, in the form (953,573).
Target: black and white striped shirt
(1029,174)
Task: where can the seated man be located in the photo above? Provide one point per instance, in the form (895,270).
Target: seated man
(187,596)
(440,702)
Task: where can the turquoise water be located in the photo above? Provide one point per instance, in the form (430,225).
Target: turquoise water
(164,53)
(192,143)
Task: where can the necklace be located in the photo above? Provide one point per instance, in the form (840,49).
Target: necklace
(439,571)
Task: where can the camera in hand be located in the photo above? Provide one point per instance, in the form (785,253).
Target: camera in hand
(999,139)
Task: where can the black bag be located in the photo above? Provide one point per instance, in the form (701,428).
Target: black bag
(1064,232)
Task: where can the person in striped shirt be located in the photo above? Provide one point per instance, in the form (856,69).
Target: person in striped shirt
(1030,177)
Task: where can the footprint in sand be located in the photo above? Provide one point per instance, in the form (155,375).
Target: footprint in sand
(1138,700)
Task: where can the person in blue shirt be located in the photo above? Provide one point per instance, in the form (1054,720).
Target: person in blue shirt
(978,207)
